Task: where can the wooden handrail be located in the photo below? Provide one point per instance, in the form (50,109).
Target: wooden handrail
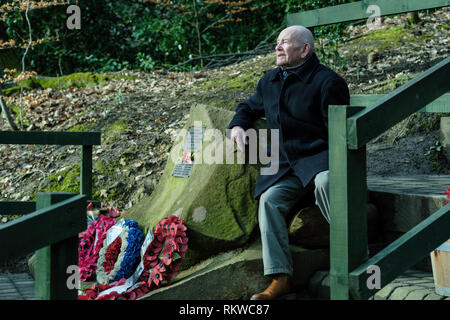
(359,10)
(50,137)
(441,104)
(43,227)
(403,253)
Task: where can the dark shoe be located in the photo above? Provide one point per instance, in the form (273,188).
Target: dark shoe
(280,286)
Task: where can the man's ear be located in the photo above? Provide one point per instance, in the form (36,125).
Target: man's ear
(306,51)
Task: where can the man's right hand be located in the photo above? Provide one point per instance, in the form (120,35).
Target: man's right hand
(238,135)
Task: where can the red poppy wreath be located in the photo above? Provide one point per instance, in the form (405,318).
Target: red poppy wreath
(160,263)
(90,244)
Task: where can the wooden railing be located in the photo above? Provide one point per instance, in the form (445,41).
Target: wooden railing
(52,223)
(359,10)
(350,129)
(52,230)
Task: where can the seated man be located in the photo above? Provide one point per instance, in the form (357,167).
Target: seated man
(294,98)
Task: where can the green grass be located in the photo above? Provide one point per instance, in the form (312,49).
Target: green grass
(117,127)
(67,180)
(384,39)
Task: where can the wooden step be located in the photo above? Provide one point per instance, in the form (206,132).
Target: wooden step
(16,286)
(403,202)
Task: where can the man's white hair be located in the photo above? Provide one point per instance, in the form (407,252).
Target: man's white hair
(303,35)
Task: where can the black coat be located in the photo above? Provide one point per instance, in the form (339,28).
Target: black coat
(298,106)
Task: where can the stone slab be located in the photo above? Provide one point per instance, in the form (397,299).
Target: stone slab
(18,286)
(236,275)
(434,296)
(402,292)
(411,285)
(386,291)
(418,294)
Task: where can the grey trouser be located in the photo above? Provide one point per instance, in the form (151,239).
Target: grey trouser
(275,203)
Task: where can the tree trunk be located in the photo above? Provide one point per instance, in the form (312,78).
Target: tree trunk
(199,38)
(4,108)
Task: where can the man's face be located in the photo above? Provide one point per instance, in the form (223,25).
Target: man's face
(290,51)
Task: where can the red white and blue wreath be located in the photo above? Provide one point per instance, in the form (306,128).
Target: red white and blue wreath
(90,245)
(91,240)
(162,253)
(119,254)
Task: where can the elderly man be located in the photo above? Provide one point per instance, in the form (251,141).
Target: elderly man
(294,98)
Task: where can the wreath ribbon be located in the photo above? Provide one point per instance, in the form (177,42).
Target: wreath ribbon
(160,262)
(118,258)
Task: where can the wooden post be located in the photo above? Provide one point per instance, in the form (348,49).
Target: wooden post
(86,171)
(52,261)
(348,201)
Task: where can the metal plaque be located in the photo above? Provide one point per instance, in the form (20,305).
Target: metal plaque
(192,143)
(194,139)
(182,169)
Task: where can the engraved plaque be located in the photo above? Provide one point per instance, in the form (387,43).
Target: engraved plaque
(194,139)
(192,143)
(182,169)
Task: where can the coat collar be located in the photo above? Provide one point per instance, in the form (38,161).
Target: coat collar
(304,71)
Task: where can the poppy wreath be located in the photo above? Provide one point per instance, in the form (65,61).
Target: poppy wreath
(165,254)
(90,244)
(161,260)
(118,259)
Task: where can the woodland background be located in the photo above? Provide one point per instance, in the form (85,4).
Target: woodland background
(142,34)
(136,67)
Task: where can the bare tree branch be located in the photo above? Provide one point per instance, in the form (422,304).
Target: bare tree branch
(6,113)
(231,57)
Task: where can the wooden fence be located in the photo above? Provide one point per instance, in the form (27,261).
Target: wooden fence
(49,226)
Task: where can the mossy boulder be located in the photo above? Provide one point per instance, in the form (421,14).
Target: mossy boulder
(215,201)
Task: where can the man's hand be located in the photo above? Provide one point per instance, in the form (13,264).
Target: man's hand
(238,135)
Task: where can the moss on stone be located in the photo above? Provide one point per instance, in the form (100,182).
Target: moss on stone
(77,80)
(81,127)
(394,34)
(117,127)
(242,81)
(223,193)
(445,27)
(383,39)
(67,180)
